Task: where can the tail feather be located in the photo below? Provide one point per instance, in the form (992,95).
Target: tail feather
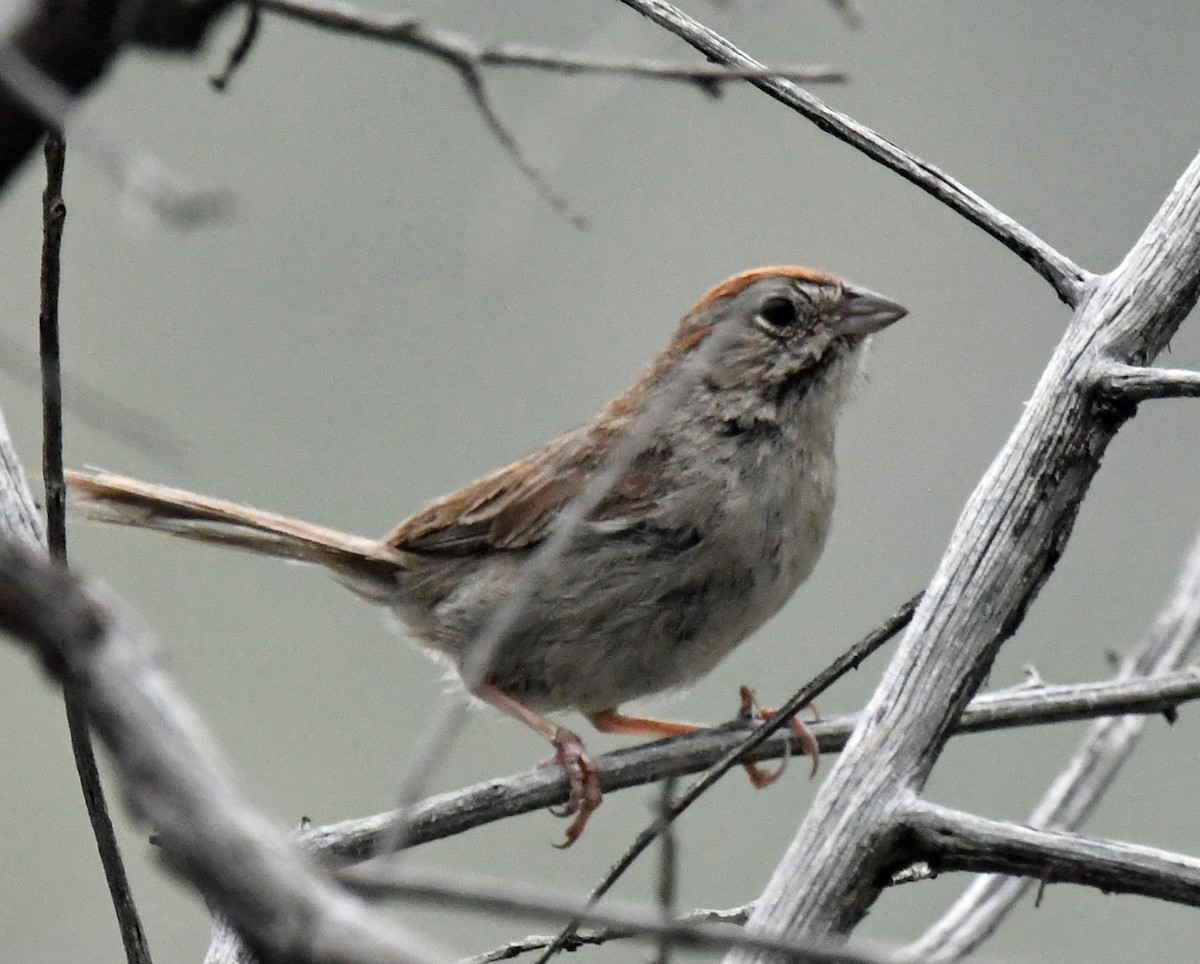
(105,497)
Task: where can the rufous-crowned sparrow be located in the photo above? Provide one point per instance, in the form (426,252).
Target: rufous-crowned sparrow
(718,514)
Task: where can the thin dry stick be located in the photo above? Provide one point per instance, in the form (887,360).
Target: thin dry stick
(241,49)
(668,869)
(54,213)
(1171,641)
(483,895)
(598,936)
(468,56)
(499,798)
(1067,278)
(799,701)
(450,46)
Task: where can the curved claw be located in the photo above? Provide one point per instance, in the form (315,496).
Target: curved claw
(584,798)
(750,709)
(761,777)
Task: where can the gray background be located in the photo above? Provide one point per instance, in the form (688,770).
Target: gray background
(392,310)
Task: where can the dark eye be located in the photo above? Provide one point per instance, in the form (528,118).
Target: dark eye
(777,314)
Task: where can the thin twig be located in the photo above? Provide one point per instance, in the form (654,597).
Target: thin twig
(241,49)
(54,213)
(458,811)
(668,870)
(799,701)
(1067,278)
(451,47)
(600,935)
(482,895)
(468,56)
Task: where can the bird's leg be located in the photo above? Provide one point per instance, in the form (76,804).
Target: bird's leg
(569,753)
(808,743)
(613,721)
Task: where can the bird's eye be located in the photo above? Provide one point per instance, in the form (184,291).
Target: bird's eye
(777,315)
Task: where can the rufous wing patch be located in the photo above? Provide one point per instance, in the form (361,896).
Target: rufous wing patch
(508,509)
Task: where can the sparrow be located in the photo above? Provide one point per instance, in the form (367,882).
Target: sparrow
(721,459)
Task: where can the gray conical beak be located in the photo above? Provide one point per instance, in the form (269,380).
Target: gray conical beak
(863,312)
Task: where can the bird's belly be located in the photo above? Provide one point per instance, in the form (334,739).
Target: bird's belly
(618,618)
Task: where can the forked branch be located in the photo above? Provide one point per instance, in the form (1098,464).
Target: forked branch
(1011,533)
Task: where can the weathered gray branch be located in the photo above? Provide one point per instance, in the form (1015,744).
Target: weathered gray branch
(19,517)
(1138,383)
(947,839)
(508,897)
(1171,641)
(461,810)
(1007,540)
(174,780)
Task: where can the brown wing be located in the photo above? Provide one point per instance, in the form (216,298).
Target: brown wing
(514,507)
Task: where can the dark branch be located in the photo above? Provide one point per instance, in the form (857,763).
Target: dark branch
(54,213)
(73,42)
(1067,278)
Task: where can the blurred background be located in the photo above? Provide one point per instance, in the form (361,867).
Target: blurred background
(392,310)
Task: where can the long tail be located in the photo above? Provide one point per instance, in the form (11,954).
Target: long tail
(117,499)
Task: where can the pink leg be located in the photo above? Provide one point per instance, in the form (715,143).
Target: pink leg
(569,753)
(808,743)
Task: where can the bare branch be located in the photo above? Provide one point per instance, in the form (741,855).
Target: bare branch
(451,47)
(668,869)
(1068,279)
(507,897)
(951,840)
(208,833)
(597,936)
(1170,642)
(745,750)
(19,516)
(54,214)
(1010,535)
(1137,383)
(452,813)
(468,56)
(240,50)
